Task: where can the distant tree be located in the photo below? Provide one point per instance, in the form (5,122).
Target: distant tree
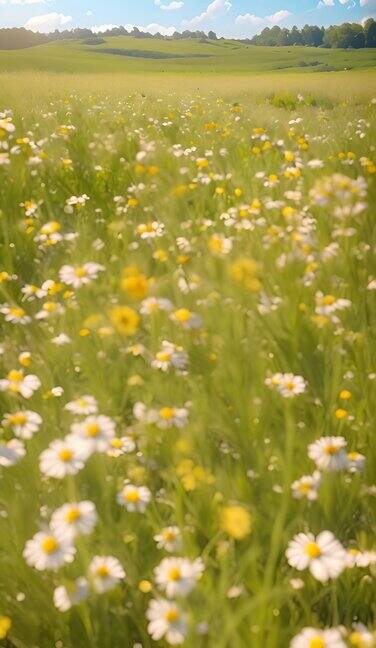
(212,35)
(370,33)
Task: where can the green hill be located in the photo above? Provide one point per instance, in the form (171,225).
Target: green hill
(143,55)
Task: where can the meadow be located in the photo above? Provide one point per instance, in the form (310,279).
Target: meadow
(187,355)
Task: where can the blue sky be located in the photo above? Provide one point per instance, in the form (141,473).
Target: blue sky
(226,17)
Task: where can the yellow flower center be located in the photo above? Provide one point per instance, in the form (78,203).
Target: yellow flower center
(103,571)
(304,488)
(169,535)
(65,455)
(171,615)
(72,515)
(15,376)
(174,574)
(116,443)
(328,300)
(183,315)
(50,545)
(92,430)
(18,419)
(331,450)
(80,272)
(16,311)
(132,496)
(312,550)
(167,413)
(316,642)
(163,356)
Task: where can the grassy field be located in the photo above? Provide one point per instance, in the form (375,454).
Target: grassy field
(187,356)
(125,54)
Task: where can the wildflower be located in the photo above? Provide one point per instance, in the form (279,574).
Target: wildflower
(5,626)
(15,314)
(106,572)
(47,550)
(324,556)
(172,417)
(245,271)
(361,637)
(287,385)
(166,620)
(64,457)
(84,406)
(315,638)
(17,383)
(134,498)
(178,576)
(150,230)
(119,447)
(24,423)
(169,356)
(219,245)
(134,283)
(125,320)
(152,305)
(11,452)
(66,596)
(74,519)
(169,539)
(186,319)
(80,275)
(307,486)
(329,453)
(236,521)
(96,431)
(355,462)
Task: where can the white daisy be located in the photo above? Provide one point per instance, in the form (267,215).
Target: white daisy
(65,596)
(74,519)
(307,486)
(11,452)
(106,572)
(152,305)
(172,417)
(47,550)
(15,314)
(324,556)
(121,446)
(170,356)
(17,383)
(49,309)
(64,457)
(169,539)
(166,620)
(329,453)
(315,638)
(84,405)
(178,576)
(150,230)
(134,498)
(361,637)
(186,319)
(288,385)
(24,423)
(97,431)
(80,275)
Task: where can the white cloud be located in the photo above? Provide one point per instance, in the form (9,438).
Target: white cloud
(254,21)
(325,3)
(279,16)
(47,22)
(367,3)
(89,13)
(216,7)
(171,6)
(24,2)
(153,28)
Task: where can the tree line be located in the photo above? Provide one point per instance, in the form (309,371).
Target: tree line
(347,36)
